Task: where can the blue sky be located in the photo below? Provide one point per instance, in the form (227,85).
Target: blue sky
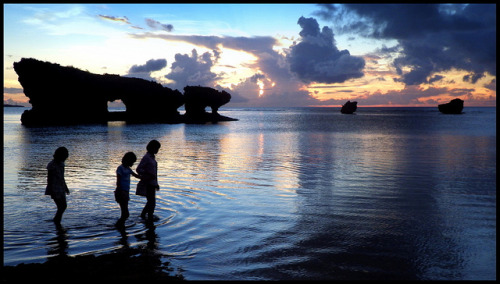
(270,54)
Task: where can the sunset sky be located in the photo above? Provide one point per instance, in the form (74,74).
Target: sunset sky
(270,55)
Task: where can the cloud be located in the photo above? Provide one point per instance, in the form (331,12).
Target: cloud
(159,26)
(492,85)
(72,19)
(123,20)
(473,77)
(12,90)
(150,66)
(192,70)
(435,78)
(270,62)
(236,97)
(10,101)
(410,95)
(250,44)
(283,93)
(116,19)
(286,86)
(413,95)
(281,86)
(316,58)
(431,37)
(144,71)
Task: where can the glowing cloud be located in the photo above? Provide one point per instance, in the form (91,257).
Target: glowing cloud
(115,19)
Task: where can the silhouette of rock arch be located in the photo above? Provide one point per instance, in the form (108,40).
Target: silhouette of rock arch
(67,95)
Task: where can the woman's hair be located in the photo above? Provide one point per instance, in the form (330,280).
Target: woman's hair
(61,154)
(129,158)
(153,145)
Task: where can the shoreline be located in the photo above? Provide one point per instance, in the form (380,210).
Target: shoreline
(125,264)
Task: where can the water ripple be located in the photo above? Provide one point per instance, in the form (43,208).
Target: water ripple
(282,194)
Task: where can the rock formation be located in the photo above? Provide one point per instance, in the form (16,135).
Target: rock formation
(198,98)
(453,107)
(67,95)
(349,107)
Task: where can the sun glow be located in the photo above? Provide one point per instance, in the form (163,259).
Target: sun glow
(233,66)
(261,87)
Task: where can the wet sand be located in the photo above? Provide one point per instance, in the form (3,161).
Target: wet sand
(127,264)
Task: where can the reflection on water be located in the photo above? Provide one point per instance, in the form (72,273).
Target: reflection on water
(58,246)
(280,194)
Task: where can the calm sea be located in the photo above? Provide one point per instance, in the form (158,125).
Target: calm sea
(283,193)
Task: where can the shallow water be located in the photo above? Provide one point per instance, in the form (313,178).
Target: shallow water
(288,193)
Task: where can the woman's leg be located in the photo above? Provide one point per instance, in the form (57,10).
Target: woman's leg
(149,208)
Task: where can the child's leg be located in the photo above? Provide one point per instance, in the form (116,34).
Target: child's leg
(61,207)
(124,212)
(124,208)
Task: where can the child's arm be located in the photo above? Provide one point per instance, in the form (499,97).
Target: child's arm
(118,177)
(135,175)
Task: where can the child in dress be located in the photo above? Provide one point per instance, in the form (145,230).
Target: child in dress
(123,173)
(56,185)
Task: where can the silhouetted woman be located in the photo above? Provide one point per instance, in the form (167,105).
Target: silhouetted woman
(148,185)
(56,185)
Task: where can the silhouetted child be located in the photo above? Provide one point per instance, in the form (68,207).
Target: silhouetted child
(56,185)
(123,173)
(148,169)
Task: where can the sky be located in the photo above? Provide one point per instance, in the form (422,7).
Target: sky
(270,55)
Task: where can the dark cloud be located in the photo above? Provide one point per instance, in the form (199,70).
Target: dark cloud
(473,77)
(150,66)
(435,78)
(256,77)
(432,37)
(492,85)
(192,70)
(159,26)
(316,58)
(249,44)
(12,90)
(144,71)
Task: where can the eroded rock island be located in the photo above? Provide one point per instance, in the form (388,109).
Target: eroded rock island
(349,107)
(67,95)
(453,107)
